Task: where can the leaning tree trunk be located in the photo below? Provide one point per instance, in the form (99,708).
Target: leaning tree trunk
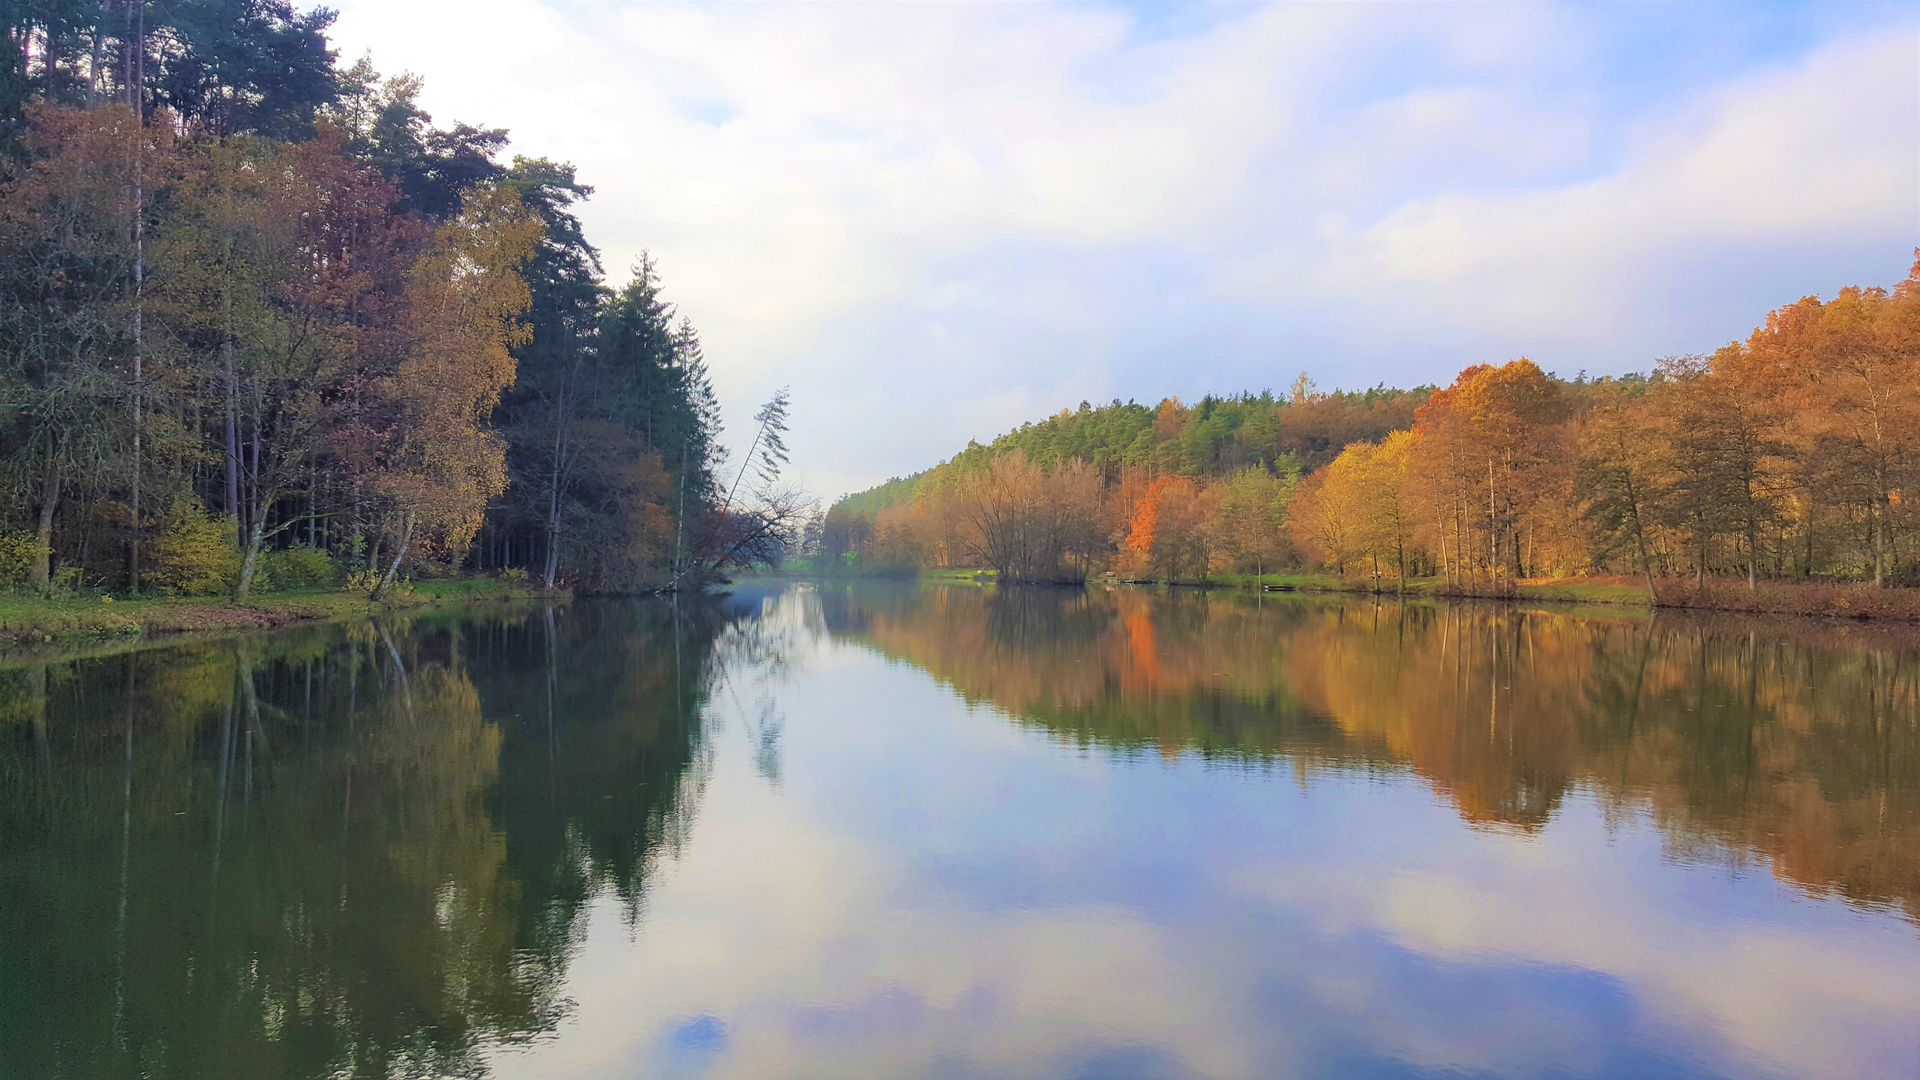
(1646,563)
(250,558)
(406,535)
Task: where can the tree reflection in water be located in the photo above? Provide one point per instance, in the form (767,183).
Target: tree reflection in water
(339,851)
(1791,742)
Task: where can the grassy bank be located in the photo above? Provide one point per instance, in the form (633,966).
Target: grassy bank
(27,620)
(805,570)
(950,575)
(1845,601)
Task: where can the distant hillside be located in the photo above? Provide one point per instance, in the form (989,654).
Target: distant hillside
(875,499)
(1214,437)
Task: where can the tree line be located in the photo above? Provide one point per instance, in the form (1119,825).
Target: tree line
(264,323)
(1124,485)
(1790,455)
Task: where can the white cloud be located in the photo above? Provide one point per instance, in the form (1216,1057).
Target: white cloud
(918,214)
(1816,154)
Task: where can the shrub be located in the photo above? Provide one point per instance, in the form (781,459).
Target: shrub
(298,567)
(513,575)
(195,555)
(18,551)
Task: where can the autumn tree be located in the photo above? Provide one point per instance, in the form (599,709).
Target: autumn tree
(284,310)
(1322,519)
(465,296)
(1854,366)
(1625,470)
(67,316)
(1026,522)
(270,263)
(1357,508)
(1488,449)
(1252,511)
(1388,523)
(1173,529)
(1724,434)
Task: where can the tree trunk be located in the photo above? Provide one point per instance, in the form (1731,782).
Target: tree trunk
(40,574)
(250,557)
(133,544)
(387,581)
(553,519)
(680,519)
(1806,569)
(1879,541)
(1493,534)
(553,488)
(139,319)
(1646,563)
(233,433)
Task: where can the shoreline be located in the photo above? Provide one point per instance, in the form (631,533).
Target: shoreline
(27,622)
(1855,602)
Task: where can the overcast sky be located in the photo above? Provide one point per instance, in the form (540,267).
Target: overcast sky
(937,221)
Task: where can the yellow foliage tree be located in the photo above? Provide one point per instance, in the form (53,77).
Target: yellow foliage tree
(466,296)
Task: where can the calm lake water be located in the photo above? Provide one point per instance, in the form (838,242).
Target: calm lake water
(900,831)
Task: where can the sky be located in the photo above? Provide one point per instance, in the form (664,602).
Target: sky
(935,222)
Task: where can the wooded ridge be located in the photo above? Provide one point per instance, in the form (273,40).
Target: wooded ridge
(1790,456)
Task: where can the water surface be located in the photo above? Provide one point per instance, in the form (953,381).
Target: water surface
(888,830)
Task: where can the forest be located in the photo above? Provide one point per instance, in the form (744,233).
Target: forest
(267,326)
(1789,456)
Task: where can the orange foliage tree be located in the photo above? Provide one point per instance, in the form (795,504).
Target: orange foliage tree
(466,295)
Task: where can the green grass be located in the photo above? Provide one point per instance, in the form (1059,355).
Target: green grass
(1300,583)
(36,620)
(1599,596)
(804,569)
(1581,591)
(1567,591)
(954,574)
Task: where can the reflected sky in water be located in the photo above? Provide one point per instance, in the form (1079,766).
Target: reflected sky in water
(880,830)
(932,889)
